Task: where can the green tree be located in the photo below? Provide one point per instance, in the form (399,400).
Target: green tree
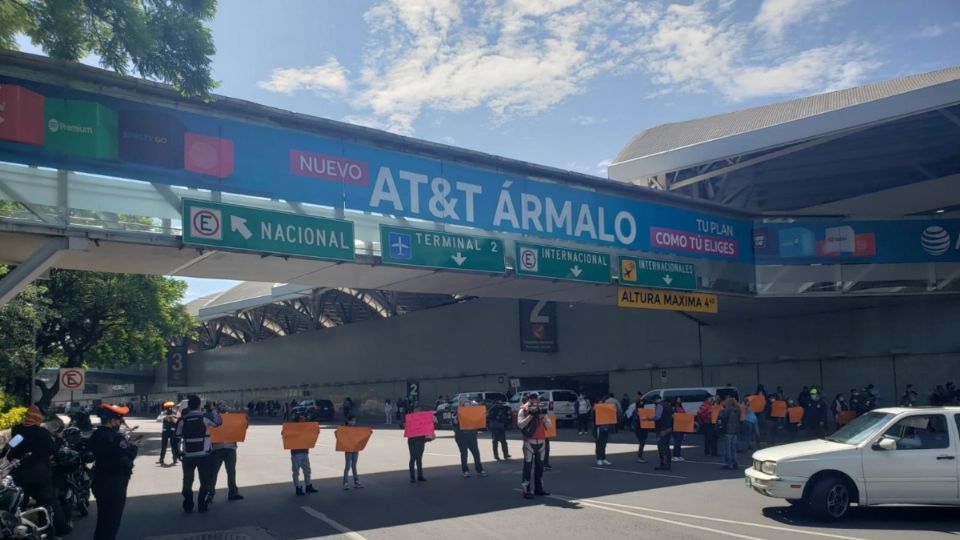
(20,322)
(164,40)
(110,320)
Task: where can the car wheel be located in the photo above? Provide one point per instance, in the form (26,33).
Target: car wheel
(795,502)
(829,499)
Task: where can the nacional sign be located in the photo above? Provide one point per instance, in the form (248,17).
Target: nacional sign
(629,297)
(244,228)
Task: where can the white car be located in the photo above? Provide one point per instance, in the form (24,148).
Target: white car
(886,456)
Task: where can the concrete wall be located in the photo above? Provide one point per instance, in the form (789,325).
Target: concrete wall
(475,346)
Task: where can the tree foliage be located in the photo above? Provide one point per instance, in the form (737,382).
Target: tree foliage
(164,40)
(20,322)
(78,319)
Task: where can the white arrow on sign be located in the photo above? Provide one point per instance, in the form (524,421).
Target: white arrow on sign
(239,224)
(576,271)
(458,258)
(667,279)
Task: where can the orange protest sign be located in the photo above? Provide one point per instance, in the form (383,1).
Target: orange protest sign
(352,438)
(715,413)
(232,430)
(757,403)
(300,435)
(472,417)
(646,418)
(845,417)
(778,409)
(796,414)
(551,432)
(605,414)
(683,423)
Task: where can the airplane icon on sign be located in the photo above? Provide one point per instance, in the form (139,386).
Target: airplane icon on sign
(400,246)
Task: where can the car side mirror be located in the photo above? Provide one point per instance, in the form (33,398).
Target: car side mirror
(885,444)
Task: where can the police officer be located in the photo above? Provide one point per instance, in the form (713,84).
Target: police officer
(114,456)
(169,434)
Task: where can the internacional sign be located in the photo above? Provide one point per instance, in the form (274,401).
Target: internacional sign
(557,262)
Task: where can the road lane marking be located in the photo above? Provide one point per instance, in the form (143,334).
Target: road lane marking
(336,525)
(638,473)
(441,455)
(659,519)
(706,518)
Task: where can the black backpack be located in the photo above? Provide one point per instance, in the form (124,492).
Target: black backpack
(194,433)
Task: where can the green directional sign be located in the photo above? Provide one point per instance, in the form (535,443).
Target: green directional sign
(437,249)
(642,272)
(243,228)
(562,263)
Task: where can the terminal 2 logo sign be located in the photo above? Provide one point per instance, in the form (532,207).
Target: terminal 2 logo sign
(935,240)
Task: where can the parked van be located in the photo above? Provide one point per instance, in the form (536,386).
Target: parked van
(559,402)
(692,397)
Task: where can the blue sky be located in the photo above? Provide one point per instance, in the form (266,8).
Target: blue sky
(562,82)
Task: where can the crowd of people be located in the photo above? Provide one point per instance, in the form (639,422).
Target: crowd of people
(729,424)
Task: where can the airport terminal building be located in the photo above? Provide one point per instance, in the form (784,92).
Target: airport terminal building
(810,242)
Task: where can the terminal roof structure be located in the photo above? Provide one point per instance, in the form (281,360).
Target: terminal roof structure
(884,150)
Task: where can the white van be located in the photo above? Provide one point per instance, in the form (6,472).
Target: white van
(559,402)
(692,397)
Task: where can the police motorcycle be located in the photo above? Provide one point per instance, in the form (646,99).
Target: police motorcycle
(72,474)
(16,523)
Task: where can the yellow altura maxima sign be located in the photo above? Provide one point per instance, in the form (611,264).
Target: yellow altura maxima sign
(630,297)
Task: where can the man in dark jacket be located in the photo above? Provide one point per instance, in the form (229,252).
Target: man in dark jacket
(34,475)
(663,420)
(498,418)
(815,414)
(729,425)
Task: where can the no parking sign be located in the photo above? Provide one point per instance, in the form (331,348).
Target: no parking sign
(73,379)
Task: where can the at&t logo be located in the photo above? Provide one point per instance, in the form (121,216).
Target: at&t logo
(935,240)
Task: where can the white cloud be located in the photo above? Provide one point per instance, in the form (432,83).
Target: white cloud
(937,30)
(603,166)
(775,16)
(518,57)
(691,52)
(324,78)
(589,120)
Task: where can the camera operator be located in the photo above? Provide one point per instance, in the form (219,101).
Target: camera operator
(533,423)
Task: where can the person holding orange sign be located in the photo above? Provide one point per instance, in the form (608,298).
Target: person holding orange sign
(465,435)
(350,459)
(663,421)
(300,462)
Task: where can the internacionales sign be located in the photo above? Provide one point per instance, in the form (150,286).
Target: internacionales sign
(629,297)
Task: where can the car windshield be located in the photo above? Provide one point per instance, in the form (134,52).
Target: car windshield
(861,429)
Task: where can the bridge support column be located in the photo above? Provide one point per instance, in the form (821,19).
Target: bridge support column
(36,264)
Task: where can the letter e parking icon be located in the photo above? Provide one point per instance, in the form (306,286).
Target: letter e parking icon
(529,259)
(206,223)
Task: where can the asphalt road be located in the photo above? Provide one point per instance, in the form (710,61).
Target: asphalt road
(696,500)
